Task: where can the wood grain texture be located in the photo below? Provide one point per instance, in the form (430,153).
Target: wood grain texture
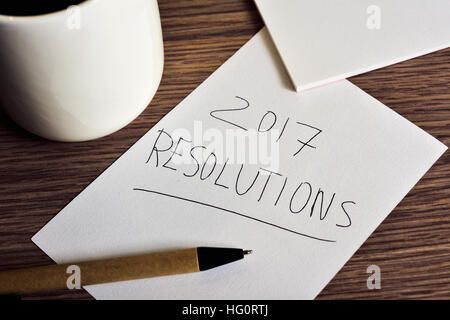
(38,177)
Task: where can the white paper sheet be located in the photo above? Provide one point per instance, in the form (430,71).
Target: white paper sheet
(322,41)
(338,143)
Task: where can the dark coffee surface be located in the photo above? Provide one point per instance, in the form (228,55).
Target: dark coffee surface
(34,7)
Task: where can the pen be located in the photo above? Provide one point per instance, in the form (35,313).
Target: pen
(117,269)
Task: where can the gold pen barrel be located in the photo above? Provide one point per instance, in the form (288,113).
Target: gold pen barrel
(100,271)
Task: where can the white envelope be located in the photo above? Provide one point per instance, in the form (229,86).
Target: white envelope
(321,41)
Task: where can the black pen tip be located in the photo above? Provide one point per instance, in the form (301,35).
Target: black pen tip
(213,257)
(247,252)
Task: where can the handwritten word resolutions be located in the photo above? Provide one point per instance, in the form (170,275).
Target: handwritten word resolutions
(302,196)
(243,161)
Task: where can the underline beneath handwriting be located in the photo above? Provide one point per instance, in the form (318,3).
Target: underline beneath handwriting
(233,212)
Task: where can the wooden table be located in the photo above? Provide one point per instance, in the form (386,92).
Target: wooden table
(412,247)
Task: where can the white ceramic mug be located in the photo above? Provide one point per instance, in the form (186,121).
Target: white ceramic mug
(81,73)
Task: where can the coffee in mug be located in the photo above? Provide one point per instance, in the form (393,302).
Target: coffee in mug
(34,7)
